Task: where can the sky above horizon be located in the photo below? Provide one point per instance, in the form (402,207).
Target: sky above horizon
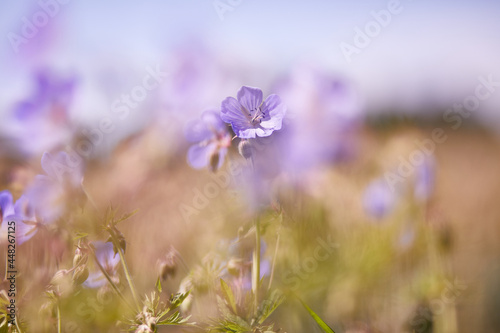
(428,54)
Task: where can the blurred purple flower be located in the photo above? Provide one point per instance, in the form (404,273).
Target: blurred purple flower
(48,193)
(242,249)
(41,121)
(406,237)
(6,205)
(424,179)
(106,257)
(212,140)
(322,119)
(378,199)
(20,213)
(250,116)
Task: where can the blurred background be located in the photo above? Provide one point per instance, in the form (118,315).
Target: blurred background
(369,85)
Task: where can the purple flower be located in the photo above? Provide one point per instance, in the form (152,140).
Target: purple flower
(323,116)
(378,199)
(20,213)
(212,140)
(41,121)
(47,194)
(249,116)
(106,257)
(6,205)
(424,179)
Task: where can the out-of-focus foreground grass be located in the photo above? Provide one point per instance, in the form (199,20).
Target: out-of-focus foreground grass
(358,273)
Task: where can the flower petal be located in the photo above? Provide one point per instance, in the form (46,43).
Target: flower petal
(249,97)
(23,231)
(222,156)
(243,131)
(196,131)
(231,111)
(263,132)
(198,155)
(47,197)
(274,110)
(378,199)
(24,209)
(46,162)
(213,120)
(6,207)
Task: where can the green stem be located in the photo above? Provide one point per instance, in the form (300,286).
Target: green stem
(256,265)
(58,319)
(274,260)
(113,285)
(125,269)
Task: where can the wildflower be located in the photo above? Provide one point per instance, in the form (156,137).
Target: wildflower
(20,213)
(108,260)
(324,112)
(48,193)
(40,121)
(6,205)
(378,199)
(245,149)
(424,179)
(249,116)
(212,140)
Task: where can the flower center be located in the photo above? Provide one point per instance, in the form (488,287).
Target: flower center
(255,116)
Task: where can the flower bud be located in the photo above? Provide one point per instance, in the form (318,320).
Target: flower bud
(151,322)
(234,266)
(59,277)
(167,266)
(80,274)
(105,294)
(245,149)
(167,269)
(213,163)
(80,257)
(143,329)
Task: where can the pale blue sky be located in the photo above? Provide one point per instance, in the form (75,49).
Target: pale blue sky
(432,52)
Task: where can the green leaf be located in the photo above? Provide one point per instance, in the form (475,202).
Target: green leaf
(80,235)
(228,294)
(124,217)
(177,299)
(268,306)
(158,285)
(320,321)
(229,321)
